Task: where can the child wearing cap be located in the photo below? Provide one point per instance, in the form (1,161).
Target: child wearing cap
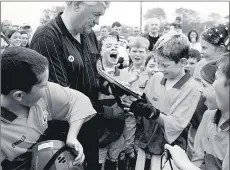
(171,97)
(214,42)
(212,137)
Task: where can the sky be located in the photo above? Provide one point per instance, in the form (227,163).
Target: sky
(125,12)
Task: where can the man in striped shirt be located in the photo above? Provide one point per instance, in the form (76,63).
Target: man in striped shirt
(71,48)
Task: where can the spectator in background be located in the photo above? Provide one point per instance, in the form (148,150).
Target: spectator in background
(6,26)
(14,38)
(24,39)
(123,45)
(193,58)
(27,28)
(177,25)
(193,37)
(4,42)
(153,34)
(135,32)
(166,28)
(117,27)
(15,27)
(104,31)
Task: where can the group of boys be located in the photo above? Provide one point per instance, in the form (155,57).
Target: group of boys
(169,105)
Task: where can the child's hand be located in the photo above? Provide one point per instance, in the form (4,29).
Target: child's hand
(179,156)
(75,144)
(134,77)
(127,101)
(143,84)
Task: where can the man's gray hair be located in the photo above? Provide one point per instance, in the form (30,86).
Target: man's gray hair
(90,3)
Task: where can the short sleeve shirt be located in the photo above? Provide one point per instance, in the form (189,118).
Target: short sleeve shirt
(61,103)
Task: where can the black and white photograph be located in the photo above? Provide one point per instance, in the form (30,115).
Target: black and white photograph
(115,85)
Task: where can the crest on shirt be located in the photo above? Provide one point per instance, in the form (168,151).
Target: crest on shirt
(71,58)
(154,99)
(45,117)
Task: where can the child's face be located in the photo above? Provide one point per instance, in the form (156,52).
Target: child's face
(151,67)
(193,36)
(168,67)
(191,65)
(138,55)
(209,51)
(25,39)
(221,90)
(109,51)
(15,39)
(37,91)
(209,94)
(104,32)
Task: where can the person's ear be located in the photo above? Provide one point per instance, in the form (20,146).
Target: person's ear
(183,61)
(18,95)
(76,5)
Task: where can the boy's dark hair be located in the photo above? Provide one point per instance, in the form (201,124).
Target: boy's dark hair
(225,69)
(148,59)
(193,30)
(112,34)
(10,33)
(193,53)
(174,46)
(118,24)
(21,68)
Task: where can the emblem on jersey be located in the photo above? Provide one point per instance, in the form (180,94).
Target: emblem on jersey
(154,99)
(45,117)
(71,58)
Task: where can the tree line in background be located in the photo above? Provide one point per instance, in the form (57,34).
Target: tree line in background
(191,19)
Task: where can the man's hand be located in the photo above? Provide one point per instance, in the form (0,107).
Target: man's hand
(75,144)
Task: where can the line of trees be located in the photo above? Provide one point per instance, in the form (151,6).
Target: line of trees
(191,18)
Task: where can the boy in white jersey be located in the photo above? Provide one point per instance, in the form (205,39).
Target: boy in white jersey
(29,101)
(171,100)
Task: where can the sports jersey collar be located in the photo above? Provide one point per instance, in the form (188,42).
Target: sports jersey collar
(225,126)
(61,25)
(180,83)
(7,116)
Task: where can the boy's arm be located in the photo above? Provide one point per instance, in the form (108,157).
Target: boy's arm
(181,114)
(68,104)
(199,142)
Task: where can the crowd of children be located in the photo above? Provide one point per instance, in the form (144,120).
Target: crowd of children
(184,106)
(174,104)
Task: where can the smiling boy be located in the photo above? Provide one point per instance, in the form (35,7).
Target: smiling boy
(171,98)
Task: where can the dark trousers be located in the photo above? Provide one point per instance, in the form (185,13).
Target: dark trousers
(88,137)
